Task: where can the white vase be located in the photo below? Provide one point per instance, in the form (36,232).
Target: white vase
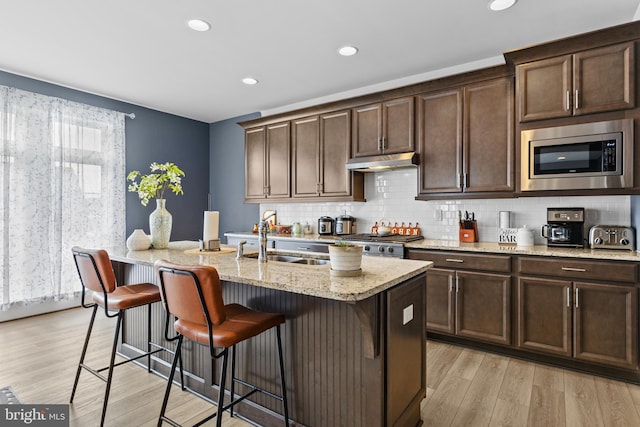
(345,258)
(138,241)
(160,222)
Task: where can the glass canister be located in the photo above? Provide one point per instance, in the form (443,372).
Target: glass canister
(296,229)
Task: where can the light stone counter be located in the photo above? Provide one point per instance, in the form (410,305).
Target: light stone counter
(537,250)
(481,247)
(378,274)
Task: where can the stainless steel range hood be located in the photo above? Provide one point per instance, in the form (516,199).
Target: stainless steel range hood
(384,162)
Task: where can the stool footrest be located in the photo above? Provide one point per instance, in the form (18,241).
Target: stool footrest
(94,371)
(254,389)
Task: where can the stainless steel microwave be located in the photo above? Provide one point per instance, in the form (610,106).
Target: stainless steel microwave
(586,156)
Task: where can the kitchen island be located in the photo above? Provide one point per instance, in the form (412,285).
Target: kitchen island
(354,346)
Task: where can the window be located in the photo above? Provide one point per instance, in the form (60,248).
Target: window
(62,183)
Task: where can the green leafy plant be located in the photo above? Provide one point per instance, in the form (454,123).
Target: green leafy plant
(164,176)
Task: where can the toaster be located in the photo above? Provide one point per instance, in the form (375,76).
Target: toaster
(611,237)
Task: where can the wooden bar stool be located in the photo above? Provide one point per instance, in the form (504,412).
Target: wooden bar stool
(193,295)
(96,274)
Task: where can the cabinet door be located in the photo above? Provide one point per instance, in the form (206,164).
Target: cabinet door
(254,162)
(335,151)
(440,302)
(606,324)
(398,127)
(367,130)
(544,89)
(483,307)
(305,165)
(440,142)
(488,136)
(544,316)
(278,160)
(604,79)
(406,352)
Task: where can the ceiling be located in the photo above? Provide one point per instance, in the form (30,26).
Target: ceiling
(142,52)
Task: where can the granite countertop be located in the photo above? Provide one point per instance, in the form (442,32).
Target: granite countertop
(537,250)
(378,274)
(480,247)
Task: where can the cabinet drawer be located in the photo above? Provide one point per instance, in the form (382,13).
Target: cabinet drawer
(463,260)
(579,269)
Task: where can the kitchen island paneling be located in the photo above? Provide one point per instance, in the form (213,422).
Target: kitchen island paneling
(341,348)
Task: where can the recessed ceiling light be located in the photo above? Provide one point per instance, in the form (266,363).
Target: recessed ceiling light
(348,50)
(497,5)
(249,81)
(198,25)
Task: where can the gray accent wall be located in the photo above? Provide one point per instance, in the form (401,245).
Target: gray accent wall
(152,136)
(227,176)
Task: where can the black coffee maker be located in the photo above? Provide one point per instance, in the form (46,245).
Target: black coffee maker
(565,227)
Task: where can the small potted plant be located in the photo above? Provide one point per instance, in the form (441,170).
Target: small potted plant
(345,258)
(163,177)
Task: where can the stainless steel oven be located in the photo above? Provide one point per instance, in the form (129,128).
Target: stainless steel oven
(583,156)
(390,246)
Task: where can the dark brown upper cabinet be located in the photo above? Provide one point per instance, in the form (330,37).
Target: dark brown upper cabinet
(465,139)
(384,128)
(267,159)
(586,82)
(321,145)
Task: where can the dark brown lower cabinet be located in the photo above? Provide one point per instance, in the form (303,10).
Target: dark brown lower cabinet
(470,304)
(591,322)
(544,316)
(606,324)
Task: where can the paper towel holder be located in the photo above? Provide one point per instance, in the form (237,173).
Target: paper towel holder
(209,245)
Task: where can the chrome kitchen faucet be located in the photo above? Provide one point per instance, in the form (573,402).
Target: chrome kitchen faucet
(262,238)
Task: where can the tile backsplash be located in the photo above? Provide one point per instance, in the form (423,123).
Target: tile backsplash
(391,196)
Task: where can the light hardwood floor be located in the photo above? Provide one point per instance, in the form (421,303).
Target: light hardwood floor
(471,388)
(38,358)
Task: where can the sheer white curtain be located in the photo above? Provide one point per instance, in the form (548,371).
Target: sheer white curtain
(62,183)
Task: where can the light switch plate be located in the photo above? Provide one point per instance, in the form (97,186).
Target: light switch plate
(407,314)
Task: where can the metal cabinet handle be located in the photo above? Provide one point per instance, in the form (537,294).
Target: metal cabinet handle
(568,297)
(379,144)
(384,145)
(576,100)
(454,260)
(581,270)
(450,284)
(457,285)
(302,248)
(568,101)
(577,292)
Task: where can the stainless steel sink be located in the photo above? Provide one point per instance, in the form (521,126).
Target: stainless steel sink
(311,261)
(291,258)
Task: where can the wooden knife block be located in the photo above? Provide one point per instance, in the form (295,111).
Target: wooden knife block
(469,235)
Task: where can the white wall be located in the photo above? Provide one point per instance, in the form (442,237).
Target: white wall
(390,196)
